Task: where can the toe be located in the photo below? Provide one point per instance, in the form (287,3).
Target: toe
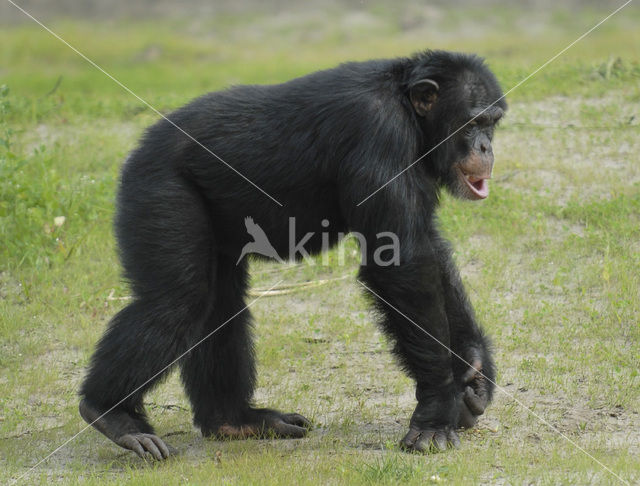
(130,442)
(151,447)
(296,419)
(283,429)
(165,449)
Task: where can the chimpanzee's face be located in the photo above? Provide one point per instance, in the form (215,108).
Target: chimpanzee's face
(471,173)
(464,113)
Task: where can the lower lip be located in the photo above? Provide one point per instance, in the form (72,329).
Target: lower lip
(482,192)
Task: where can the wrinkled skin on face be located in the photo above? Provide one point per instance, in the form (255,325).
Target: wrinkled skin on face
(472,173)
(470,105)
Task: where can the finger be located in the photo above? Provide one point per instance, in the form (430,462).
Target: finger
(466,419)
(425,441)
(440,440)
(410,438)
(453,438)
(475,403)
(297,419)
(470,374)
(283,429)
(481,386)
(164,448)
(150,446)
(130,442)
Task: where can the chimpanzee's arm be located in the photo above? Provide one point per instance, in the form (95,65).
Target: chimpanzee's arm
(411,298)
(473,367)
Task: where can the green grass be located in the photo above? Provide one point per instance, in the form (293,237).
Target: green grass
(551,260)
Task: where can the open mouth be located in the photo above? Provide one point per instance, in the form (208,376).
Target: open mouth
(479,185)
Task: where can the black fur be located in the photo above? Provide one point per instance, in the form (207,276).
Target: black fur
(319,144)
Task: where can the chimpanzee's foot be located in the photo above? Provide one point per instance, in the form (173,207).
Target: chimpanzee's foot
(263,423)
(429,440)
(130,432)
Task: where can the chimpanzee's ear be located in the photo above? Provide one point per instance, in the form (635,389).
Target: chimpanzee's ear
(423,95)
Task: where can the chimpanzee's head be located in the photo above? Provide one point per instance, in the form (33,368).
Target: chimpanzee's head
(458,103)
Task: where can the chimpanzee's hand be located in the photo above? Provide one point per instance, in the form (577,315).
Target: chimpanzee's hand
(475,394)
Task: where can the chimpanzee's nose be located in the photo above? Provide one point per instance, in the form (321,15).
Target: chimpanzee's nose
(483,147)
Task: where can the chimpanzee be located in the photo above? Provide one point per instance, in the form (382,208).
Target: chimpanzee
(314,150)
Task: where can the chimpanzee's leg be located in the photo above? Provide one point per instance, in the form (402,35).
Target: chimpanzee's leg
(165,239)
(134,354)
(219,373)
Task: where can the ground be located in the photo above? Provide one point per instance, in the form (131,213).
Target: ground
(551,259)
